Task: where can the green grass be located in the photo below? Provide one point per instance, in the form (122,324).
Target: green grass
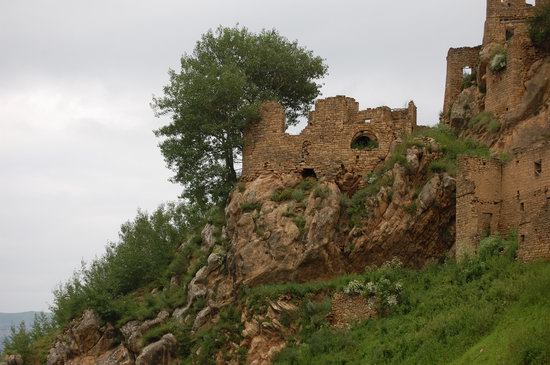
(483,311)
(485,121)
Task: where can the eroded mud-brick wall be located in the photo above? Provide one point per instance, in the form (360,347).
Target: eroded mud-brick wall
(496,198)
(478,198)
(325,147)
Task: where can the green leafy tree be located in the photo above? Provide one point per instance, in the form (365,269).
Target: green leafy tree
(215,95)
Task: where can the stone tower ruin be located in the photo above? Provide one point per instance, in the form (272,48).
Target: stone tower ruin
(496,197)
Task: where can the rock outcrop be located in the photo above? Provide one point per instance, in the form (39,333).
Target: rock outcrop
(87,342)
(84,337)
(162,352)
(283,241)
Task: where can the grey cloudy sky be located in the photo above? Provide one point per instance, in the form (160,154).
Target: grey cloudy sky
(77,155)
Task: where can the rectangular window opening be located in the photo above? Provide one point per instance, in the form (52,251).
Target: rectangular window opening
(509,33)
(538,168)
(522,207)
(522,238)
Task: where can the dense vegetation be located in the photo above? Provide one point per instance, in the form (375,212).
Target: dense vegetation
(486,310)
(31,343)
(218,91)
(142,256)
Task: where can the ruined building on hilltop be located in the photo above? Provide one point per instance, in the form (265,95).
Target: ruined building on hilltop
(338,139)
(507,31)
(495,196)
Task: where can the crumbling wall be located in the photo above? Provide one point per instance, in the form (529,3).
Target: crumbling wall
(501,198)
(324,147)
(457,60)
(506,27)
(502,14)
(526,195)
(478,202)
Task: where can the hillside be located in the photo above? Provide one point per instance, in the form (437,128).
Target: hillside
(366,239)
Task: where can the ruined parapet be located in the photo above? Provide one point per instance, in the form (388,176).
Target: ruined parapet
(498,198)
(507,25)
(459,61)
(506,32)
(339,138)
(503,16)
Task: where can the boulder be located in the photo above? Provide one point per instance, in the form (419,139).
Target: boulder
(85,336)
(162,352)
(14,360)
(133,331)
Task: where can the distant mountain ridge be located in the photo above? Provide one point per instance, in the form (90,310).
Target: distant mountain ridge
(13,319)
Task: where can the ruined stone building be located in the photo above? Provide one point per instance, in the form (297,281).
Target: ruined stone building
(506,28)
(338,138)
(493,196)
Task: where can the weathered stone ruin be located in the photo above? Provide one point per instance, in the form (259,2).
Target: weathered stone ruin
(495,197)
(506,28)
(338,139)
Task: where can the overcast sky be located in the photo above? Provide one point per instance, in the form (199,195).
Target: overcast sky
(77,152)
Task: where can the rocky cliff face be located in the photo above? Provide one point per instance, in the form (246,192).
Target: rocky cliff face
(88,342)
(284,228)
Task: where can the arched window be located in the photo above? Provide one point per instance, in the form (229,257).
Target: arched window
(364,142)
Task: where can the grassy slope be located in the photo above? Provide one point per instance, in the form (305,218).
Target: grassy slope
(483,312)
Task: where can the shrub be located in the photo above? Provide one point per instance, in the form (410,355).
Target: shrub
(410,208)
(282,195)
(298,195)
(439,166)
(494,245)
(321,192)
(467,81)
(307,184)
(355,287)
(498,62)
(539,28)
(251,206)
(357,206)
(485,121)
(209,341)
(300,222)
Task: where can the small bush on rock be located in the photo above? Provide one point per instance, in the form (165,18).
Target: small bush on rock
(498,62)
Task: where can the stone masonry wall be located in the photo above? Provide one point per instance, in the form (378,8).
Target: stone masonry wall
(478,202)
(506,25)
(525,199)
(513,197)
(324,146)
(457,60)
